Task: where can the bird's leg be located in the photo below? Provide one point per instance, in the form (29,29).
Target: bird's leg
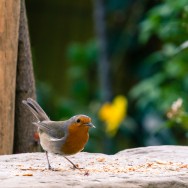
(49,166)
(74,166)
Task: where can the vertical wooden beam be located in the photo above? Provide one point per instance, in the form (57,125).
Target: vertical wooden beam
(25,87)
(9,24)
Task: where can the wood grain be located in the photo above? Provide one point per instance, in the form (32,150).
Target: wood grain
(9,25)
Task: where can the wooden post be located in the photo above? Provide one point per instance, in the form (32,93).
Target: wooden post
(25,87)
(9,25)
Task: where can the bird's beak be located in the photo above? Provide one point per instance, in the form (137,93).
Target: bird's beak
(91,125)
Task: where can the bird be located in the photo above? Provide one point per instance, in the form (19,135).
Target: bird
(60,137)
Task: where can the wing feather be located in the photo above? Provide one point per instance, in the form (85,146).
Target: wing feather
(53,129)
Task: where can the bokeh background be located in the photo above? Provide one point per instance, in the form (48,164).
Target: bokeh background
(122,62)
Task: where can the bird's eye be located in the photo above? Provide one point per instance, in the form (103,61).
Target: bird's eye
(78,120)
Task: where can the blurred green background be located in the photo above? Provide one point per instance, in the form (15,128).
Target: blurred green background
(122,62)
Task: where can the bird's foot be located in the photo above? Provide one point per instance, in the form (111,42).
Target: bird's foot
(76,167)
(50,168)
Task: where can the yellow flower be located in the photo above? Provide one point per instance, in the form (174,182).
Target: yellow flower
(113,114)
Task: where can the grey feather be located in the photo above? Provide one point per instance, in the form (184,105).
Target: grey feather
(36,109)
(52,128)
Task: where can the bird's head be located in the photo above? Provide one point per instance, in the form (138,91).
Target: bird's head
(82,120)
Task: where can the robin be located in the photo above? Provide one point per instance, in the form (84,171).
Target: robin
(60,137)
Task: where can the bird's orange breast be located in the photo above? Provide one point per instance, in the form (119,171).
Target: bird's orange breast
(76,139)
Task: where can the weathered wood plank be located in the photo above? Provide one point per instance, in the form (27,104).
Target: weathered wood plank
(9,25)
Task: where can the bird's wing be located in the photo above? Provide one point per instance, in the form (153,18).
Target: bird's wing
(54,129)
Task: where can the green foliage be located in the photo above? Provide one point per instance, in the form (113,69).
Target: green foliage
(166,79)
(83,54)
(82,60)
(169,65)
(167,21)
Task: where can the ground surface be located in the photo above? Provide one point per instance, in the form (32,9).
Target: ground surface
(157,166)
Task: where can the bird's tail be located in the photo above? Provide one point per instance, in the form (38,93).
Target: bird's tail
(35,108)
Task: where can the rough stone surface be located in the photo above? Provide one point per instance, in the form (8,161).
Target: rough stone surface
(157,166)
